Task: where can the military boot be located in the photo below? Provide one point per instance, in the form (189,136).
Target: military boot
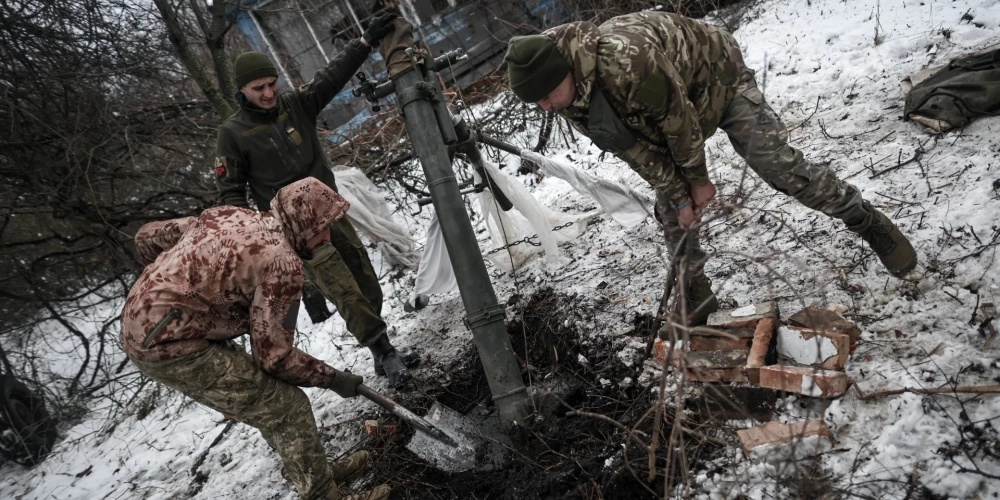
(389,362)
(343,469)
(892,248)
(380,492)
(700,301)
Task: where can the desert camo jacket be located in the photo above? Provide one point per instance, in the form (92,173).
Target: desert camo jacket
(226,273)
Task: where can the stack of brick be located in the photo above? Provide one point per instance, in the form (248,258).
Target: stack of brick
(804,354)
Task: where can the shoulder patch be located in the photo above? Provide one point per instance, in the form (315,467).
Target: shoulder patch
(221,167)
(653,91)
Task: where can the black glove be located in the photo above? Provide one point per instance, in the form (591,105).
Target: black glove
(378,29)
(345,384)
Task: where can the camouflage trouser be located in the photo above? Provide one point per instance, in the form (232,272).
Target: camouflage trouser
(758,135)
(228,381)
(343,273)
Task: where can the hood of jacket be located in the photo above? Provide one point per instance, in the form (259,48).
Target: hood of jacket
(306,208)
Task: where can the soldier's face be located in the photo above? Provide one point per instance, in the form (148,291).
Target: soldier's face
(561,97)
(319,239)
(262,92)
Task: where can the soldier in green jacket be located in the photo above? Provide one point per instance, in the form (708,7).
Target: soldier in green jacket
(272,142)
(650,87)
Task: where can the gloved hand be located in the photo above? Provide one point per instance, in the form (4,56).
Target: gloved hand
(345,384)
(378,29)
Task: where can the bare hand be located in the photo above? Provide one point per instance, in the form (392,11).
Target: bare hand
(686,216)
(702,195)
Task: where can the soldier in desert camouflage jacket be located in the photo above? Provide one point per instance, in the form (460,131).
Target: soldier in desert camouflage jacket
(650,87)
(231,272)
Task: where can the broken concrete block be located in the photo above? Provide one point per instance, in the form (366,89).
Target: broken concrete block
(812,382)
(825,321)
(763,440)
(761,346)
(744,316)
(821,349)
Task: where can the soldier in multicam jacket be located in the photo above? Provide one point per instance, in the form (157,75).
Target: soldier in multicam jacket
(650,87)
(271,142)
(232,272)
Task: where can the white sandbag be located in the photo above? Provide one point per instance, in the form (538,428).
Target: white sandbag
(622,203)
(435,274)
(527,218)
(370,214)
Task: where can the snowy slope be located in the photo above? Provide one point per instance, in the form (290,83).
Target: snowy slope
(838,91)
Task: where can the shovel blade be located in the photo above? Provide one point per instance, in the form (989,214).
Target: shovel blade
(461,429)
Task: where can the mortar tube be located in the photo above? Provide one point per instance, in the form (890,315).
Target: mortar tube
(484,316)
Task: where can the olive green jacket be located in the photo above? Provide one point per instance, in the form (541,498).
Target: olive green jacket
(269,149)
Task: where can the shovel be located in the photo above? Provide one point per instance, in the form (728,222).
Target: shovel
(407,416)
(453,450)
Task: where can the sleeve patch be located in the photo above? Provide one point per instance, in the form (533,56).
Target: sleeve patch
(653,91)
(221,168)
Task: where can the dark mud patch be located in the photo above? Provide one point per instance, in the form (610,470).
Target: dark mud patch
(568,456)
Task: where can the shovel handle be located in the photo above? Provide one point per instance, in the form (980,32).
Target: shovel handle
(376,398)
(406,415)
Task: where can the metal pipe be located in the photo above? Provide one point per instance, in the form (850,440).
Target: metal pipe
(270,48)
(313,33)
(484,316)
(510,148)
(385,89)
(354,16)
(467,146)
(443,61)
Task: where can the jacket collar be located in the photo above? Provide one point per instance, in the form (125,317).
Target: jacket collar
(255,112)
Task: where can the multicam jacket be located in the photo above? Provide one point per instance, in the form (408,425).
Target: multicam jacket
(668,78)
(269,149)
(226,273)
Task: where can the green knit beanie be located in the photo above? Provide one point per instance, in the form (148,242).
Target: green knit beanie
(251,66)
(534,66)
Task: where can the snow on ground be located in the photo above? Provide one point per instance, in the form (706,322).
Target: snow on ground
(837,87)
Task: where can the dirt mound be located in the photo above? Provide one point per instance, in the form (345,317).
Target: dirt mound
(569,455)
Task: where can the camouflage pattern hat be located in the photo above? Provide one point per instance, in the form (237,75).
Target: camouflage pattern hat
(534,66)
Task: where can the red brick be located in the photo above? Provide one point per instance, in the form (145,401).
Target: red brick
(825,321)
(775,433)
(718,343)
(705,366)
(762,337)
(371,426)
(825,383)
(726,318)
(374,429)
(715,366)
(802,346)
